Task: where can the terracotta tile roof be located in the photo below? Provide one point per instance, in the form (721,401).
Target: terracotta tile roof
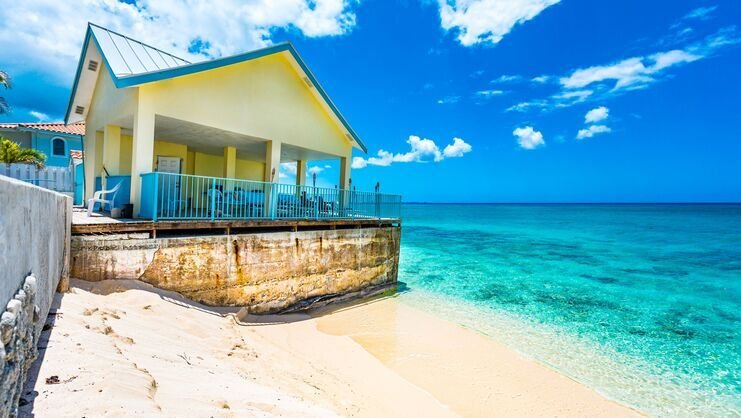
(59,127)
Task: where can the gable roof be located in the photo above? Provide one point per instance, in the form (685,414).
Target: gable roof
(59,127)
(132,63)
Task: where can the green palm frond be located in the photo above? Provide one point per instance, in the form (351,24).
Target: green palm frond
(5,80)
(11,152)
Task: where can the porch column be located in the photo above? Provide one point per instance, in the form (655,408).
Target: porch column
(272,160)
(345,163)
(272,172)
(230,162)
(90,157)
(111,151)
(142,152)
(300,172)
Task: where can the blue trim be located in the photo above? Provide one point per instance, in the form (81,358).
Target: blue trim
(77,75)
(152,76)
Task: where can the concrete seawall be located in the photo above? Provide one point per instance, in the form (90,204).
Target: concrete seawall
(34,255)
(266,272)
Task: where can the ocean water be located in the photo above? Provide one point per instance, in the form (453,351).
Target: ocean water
(640,302)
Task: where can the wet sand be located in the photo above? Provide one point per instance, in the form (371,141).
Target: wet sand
(125,349)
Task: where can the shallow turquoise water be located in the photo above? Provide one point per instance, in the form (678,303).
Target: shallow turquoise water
(641,302)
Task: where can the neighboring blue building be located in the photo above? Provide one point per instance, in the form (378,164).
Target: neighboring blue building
(56,140)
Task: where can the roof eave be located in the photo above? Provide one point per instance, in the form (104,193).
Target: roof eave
(72,94)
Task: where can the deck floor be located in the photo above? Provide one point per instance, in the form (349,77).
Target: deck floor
(103,224)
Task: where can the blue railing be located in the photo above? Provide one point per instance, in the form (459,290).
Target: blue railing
(166,196)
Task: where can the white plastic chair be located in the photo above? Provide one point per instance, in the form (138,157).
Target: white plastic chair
(98,197)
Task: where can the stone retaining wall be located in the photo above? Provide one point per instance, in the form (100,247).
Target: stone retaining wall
(266,272)
(34,256)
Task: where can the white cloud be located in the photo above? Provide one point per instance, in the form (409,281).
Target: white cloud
(50,34)
(315,170)
(40,117)
(529,138)
(525,106)
(700,13)
(601,82)
(597,114)
(449,100)
(487,21)
(506,78)
(456,149)
(592,131)
(487,94)
(634,72)
(421,151)
(541,79)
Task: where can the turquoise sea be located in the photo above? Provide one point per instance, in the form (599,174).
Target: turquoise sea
(640,302)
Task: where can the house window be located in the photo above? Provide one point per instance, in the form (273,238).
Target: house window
(57,147)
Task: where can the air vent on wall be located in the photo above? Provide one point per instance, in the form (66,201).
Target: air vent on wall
(308,82)
(79,110)
(92,65)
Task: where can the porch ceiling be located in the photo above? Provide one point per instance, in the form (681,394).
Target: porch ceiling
(211,140)
(207,139)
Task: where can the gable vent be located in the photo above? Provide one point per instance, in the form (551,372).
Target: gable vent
(308,82)
(92,65)
(79,110)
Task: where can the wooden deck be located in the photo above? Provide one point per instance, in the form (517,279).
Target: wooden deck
(101,224)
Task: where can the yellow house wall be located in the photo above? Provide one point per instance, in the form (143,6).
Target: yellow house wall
(190,163)
(208,165)
(110,105)
(125,157)
(170,149)
(250,170)
(263,98)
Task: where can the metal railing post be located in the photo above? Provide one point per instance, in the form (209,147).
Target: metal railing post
(155,197)
(212,192)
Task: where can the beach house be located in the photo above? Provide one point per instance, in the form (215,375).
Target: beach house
(193,151)
(182,140)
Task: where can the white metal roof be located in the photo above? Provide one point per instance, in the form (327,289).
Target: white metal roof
(128,56)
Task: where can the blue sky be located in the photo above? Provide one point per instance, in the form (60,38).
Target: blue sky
(550,101)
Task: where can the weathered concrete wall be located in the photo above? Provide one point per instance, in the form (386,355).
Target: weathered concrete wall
(266,272)
(34,240)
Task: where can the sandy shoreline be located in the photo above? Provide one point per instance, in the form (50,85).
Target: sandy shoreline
(122,349)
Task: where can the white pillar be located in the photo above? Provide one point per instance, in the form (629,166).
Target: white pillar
(345,163)
(272,172)
(272,161)
(89,158)
(142,151)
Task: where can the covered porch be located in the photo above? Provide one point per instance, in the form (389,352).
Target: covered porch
(172,169)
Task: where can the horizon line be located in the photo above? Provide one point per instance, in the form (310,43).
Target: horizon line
(573,203)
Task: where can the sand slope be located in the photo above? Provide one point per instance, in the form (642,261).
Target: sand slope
(125,349)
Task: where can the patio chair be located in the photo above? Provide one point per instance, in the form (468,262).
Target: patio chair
(215,195)
(98,197)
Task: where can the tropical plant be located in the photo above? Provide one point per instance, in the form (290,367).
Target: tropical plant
(12,152)
(5,82)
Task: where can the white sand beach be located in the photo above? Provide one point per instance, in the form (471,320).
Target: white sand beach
(121,348)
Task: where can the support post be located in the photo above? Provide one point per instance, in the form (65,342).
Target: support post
(230,162)
(300,172)
(89,160)
(142,151)
(272,169)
